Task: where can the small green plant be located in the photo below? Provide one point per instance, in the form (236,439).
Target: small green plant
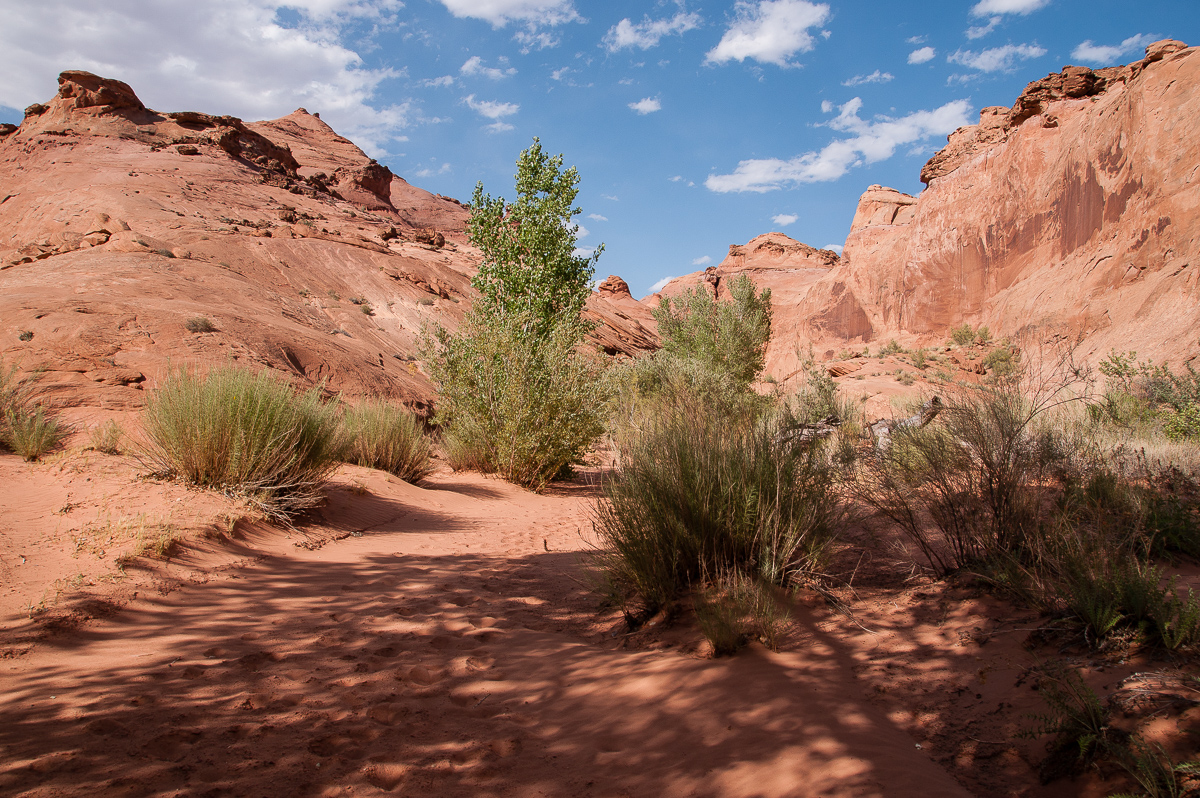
(982,336)
(107,437)
(200,324)
(245,433)
(26,335)
(1003,361)
(31,432)
(1156,773)
(905,378)
(1183,424)
(425,301)
(367,309)
(890,348)
(919,358)
(1078,720)
(389,438)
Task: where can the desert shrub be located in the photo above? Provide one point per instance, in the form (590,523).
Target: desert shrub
(106,437)
(972,486)
(963,335)
(389,438)
(1003,361)
(728,338)
(200,324)
(25,335)
(516,379)
(983,335)
(919,358)
(528,405)
(31,432)
(248,434)
(695,495)
(734,608)
(465,452)
(890,348)
(1183,424)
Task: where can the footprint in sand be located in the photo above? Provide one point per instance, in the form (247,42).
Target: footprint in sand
(423,675)
(107,727)
(386,776)
(387,714)
(172,746)
(507,746)
(194,672)
(214,653)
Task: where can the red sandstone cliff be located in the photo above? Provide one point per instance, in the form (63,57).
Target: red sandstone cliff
(119,223)
(1076,211)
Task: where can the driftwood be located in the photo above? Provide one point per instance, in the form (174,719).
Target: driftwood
(882,430)
(807,433)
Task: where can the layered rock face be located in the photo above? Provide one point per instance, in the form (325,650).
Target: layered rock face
(1075,212)
(118,224)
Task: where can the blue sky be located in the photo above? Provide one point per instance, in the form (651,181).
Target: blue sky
(694,124)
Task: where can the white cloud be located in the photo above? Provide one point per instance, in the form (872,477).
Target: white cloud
(920,56)
(626,81)
(430,171)
(610,197)
(535,40)
(501,12)
(826,106)
(646,105)
(661,284)
(489,109)
(597,217)
(784,219)
(559,74)
(871,141)
(223,56)
(474,66)
(996,59)
(581,231)
(986,8)
(648,33)
(702,260)
(769,31)
(978,32)
(874,77)
(834,247)
(442,82)
(916,39)
(1091,53)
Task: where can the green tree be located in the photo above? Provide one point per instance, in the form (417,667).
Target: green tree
(518,394)
(529,261)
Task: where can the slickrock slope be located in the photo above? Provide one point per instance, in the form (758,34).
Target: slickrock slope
(118,224)
(1077,209)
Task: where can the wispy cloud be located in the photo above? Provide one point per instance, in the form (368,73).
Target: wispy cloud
(826,106)
(978,32)
(646,105)
(430,171)
(784,219)
(1091,53)
(871,141)
(474,66)
(495,111)
(834,247)
(597,217)
(501,12)
(996,59)
(610,197)
(921,55)
(769,32)
(661,284)
(874,77)
(703,260)
(986,8)
(443,82)
(649,32)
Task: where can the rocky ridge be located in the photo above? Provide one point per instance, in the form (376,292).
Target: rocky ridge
(118,224)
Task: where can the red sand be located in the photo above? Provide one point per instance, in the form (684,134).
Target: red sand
(443,640)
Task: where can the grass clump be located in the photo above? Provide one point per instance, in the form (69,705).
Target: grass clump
(248,434)
(696,497)
(31,432)
(106,437)
(200,324)
(389,438)
(963,336)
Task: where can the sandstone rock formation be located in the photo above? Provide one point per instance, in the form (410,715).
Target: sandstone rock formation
(119,223)
(1075,211)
